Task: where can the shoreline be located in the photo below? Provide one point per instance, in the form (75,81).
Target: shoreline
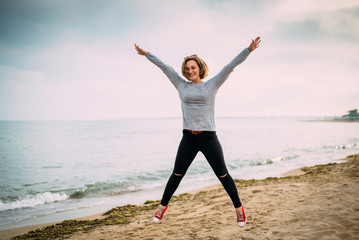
(86,212)
(290,175)
(10,232)
(334,120)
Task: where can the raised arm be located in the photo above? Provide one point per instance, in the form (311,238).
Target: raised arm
(140,51)
(166,69)
(222,76)
(254,44)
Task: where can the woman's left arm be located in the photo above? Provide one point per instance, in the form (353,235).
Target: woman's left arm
(140,51)
(222,76)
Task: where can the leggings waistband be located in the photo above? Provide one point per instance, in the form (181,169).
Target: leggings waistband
(197,132)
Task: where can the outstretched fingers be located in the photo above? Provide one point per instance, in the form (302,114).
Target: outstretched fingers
(255,43)
(140,51)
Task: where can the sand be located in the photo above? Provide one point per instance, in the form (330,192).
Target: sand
(322,203)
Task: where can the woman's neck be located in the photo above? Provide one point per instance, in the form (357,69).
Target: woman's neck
(197,80)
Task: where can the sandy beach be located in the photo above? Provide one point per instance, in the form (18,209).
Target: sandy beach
(318,202)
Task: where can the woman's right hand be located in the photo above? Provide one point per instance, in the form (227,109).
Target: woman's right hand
(254,44)
(140,51)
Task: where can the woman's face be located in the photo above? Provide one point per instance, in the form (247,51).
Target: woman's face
(192,70)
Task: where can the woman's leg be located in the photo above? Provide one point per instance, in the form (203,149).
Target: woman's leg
(186,153)
(212,150)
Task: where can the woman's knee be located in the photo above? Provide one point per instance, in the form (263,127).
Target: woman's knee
(225,175)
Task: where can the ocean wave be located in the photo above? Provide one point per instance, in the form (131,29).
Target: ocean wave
(346,146)
(33,200)
(51,167)
(338,147)
(272,160)
(98,189)
(105,189)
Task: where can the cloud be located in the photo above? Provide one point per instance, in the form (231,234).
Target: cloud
(40,24)
(342,24)
(290,10)
(317,21)
(299,31)
(76,60)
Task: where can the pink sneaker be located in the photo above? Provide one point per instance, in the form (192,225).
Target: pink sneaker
(159,214)
(241,218)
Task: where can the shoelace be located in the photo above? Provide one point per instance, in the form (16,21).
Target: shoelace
(159,212)
(240,216)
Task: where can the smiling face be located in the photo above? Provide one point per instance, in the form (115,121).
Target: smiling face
(192,71)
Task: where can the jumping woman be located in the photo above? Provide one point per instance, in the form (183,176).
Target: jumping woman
(197,100)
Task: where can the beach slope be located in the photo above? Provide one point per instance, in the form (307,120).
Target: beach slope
(322,203)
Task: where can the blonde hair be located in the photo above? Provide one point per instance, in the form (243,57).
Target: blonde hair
(203,69)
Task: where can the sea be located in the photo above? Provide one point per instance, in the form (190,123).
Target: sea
(56,170)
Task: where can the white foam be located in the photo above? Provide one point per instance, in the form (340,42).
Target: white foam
(31,201)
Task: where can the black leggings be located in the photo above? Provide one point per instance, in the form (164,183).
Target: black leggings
(206,142)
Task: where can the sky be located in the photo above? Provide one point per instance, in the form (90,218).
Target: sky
(75,60)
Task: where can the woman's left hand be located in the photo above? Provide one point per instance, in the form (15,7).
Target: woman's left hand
(140,51)
(254,44)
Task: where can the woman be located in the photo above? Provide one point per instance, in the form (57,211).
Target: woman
(197,100)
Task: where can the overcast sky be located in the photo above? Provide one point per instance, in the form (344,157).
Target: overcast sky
(75,60)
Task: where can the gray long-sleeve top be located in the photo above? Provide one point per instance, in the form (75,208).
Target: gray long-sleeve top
(198,99)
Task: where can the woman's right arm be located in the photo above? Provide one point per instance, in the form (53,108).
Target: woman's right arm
(166,69)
